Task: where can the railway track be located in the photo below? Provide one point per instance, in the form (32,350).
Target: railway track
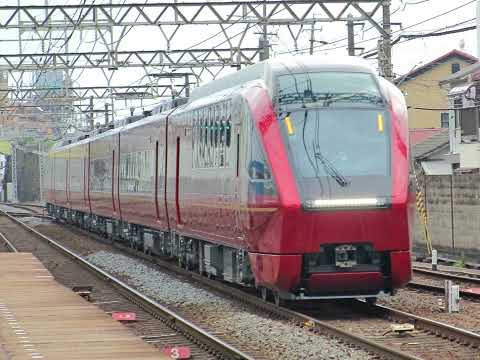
(157,324)
(447,275)
(355,323)
(431,281)
(437,289)
(461,344)
(34,209)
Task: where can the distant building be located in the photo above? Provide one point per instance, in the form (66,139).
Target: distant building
(463,90)
(429,148)
(422,90)
(3,85)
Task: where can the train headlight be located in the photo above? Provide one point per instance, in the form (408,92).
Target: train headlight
(345,203)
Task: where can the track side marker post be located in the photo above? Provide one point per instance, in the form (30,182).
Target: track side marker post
(434,260)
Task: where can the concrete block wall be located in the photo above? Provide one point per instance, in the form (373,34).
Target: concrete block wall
(453,208)
(28,176)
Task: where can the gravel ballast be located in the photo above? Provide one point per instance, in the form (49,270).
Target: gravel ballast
(275,338)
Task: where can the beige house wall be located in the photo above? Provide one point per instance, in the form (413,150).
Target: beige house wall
(424,91)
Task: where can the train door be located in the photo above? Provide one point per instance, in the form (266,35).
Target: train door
(52,178)
(116,185)
(156,184)
(236,196)
(238,141)
(67,177)
(177,180)
(87,180)
(114,192)
(84,173)
(160,179)
(67,181)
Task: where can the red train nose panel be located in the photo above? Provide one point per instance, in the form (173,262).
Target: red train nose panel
(401,268)
(277,271)
(335,282)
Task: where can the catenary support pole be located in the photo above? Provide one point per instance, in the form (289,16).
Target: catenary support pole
(387,42)
(351,36)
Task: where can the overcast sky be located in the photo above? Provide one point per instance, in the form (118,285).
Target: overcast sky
(406,55)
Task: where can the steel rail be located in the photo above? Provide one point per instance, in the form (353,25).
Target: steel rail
(9,245)
(445,275)
(441,289)
(177,322)
(448,331)
(301,319)
(435,327)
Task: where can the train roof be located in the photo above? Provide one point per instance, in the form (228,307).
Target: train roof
(267,69)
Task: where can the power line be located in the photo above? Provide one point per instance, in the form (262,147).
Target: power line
(436,33)
(396,31)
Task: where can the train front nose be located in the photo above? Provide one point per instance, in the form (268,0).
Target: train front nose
(336,253)
(354,269)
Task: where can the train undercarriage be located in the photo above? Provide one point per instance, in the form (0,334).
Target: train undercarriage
(213,260)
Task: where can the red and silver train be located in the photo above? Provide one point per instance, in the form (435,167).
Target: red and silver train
(289,175)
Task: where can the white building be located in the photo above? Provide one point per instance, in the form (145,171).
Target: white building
(464,124)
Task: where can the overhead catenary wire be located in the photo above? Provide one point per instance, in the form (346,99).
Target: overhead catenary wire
(435,33)
(393,32)
(214,47)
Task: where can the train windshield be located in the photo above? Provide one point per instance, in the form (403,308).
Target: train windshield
(336,128)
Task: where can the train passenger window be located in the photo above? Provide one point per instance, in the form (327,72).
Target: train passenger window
(101,176)
(222,132)
(200,129)
(218,115)
(205,126)
(212,117)
(228,131)
(211,132)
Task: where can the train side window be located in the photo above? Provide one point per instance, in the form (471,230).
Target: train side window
(200,132)
(228,131)
(222,131)
(238,156)
(194,139)
(205,126)
(212,119)
(217,125)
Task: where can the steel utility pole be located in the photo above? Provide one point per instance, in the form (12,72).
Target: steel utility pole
(351,35)
(92,125)
(478,28)
(386,48)
(263,43)
(106,113)
(312,37)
